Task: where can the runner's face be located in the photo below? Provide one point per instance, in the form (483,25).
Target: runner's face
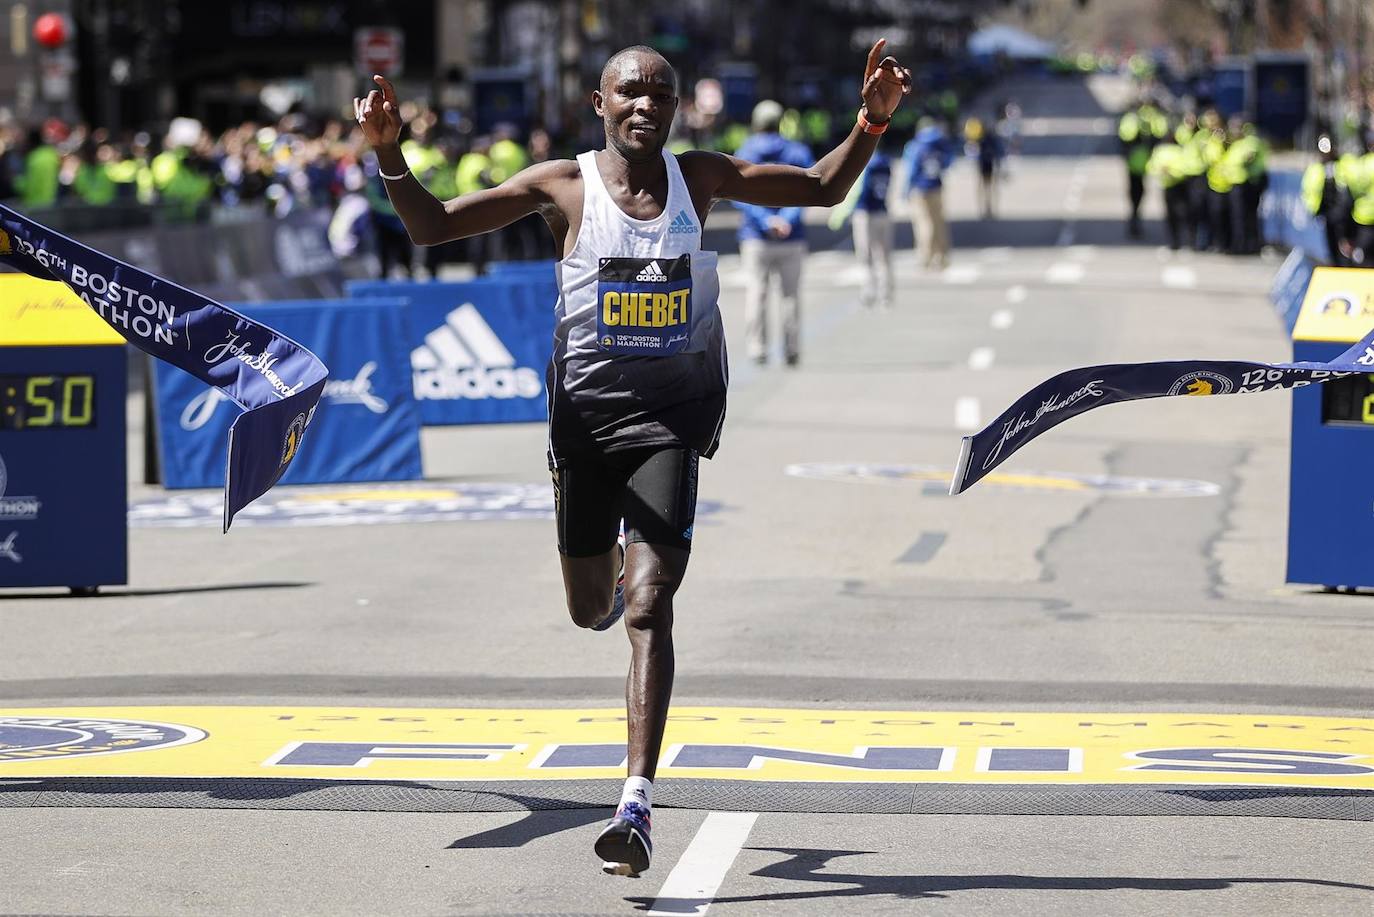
(637,104)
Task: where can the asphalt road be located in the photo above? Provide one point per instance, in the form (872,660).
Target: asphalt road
(804,592)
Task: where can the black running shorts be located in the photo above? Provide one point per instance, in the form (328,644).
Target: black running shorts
(653,489)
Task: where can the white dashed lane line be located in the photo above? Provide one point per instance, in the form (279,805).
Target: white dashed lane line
(981,358)
(960,273)
(1016,294)
(1178,276)
(1065,272)
(967,413)
(694,881)
(1001,319)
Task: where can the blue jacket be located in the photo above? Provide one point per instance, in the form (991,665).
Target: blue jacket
(873,184)
(772,148)
(926,157)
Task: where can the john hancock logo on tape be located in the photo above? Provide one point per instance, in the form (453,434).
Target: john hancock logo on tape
(35,738)
(644,305)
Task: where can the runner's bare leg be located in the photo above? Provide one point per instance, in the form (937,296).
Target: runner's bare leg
(653,574)
(589,583)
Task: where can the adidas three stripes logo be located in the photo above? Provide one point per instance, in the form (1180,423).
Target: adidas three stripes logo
(681,223)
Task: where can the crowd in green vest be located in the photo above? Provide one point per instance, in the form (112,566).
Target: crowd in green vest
(1338,189)
(1212,174)
(58,166)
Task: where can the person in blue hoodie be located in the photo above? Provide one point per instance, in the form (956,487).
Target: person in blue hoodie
(772,242)
(866,208)
(926,158)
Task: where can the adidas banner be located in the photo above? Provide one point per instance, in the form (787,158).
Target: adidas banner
(478,349)
(367,426)
(276,381)
(1079,390)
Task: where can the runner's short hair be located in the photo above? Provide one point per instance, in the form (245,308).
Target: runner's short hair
(613,64)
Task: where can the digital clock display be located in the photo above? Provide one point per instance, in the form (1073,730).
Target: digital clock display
(1349,400)
(38,402)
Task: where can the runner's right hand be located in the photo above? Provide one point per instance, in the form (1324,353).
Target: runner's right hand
(379,114)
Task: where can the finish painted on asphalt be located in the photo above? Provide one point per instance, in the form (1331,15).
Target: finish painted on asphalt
(934,480)
(751,744)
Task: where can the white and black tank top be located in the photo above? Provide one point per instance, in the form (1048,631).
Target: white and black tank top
(639,349)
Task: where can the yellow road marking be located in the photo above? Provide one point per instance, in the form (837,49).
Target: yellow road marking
(849,746)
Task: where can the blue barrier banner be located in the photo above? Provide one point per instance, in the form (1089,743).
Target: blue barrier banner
(478,349)
(1290,286)
(1079,390)
(367,427)
(275,380)
(1285,220)
(535,268)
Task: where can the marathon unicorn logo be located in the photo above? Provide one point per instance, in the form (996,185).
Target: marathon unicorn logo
(30,738)
(292,444)
(1202,383)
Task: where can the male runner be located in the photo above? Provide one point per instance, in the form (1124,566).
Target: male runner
(638,376)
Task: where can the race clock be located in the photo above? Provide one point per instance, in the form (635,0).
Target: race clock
(63,481)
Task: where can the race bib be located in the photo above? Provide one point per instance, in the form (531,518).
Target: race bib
(644,305)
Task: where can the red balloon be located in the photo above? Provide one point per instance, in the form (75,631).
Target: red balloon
(50,30)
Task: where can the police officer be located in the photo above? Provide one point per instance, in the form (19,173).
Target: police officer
(39,182)
(1173,165)
(1326,197)
(1250,176)
(1224,173)
(475,174)
(1360,228)
(1138,130)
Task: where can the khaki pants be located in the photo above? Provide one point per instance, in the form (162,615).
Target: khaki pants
(763,261)
(873,245)
(932,232)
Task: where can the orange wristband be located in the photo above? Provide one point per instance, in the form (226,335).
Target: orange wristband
(869,127)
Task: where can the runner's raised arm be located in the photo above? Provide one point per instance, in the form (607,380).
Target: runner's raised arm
(827,182)
(428,220)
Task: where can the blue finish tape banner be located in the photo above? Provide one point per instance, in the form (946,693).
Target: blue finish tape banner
(1080,390)
(367,427)
(479,348)
(276,381)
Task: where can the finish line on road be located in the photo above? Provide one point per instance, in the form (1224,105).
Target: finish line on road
(703,743)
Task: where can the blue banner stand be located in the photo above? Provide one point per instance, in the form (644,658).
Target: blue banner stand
(479,349)
(367,427)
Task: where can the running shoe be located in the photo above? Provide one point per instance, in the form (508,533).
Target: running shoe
(624,844)
(618,600)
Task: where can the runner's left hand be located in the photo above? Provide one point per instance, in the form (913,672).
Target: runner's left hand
(885,82)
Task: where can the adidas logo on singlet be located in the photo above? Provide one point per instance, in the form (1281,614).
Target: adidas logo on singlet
(463,358)
(681,223)
(652,273)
